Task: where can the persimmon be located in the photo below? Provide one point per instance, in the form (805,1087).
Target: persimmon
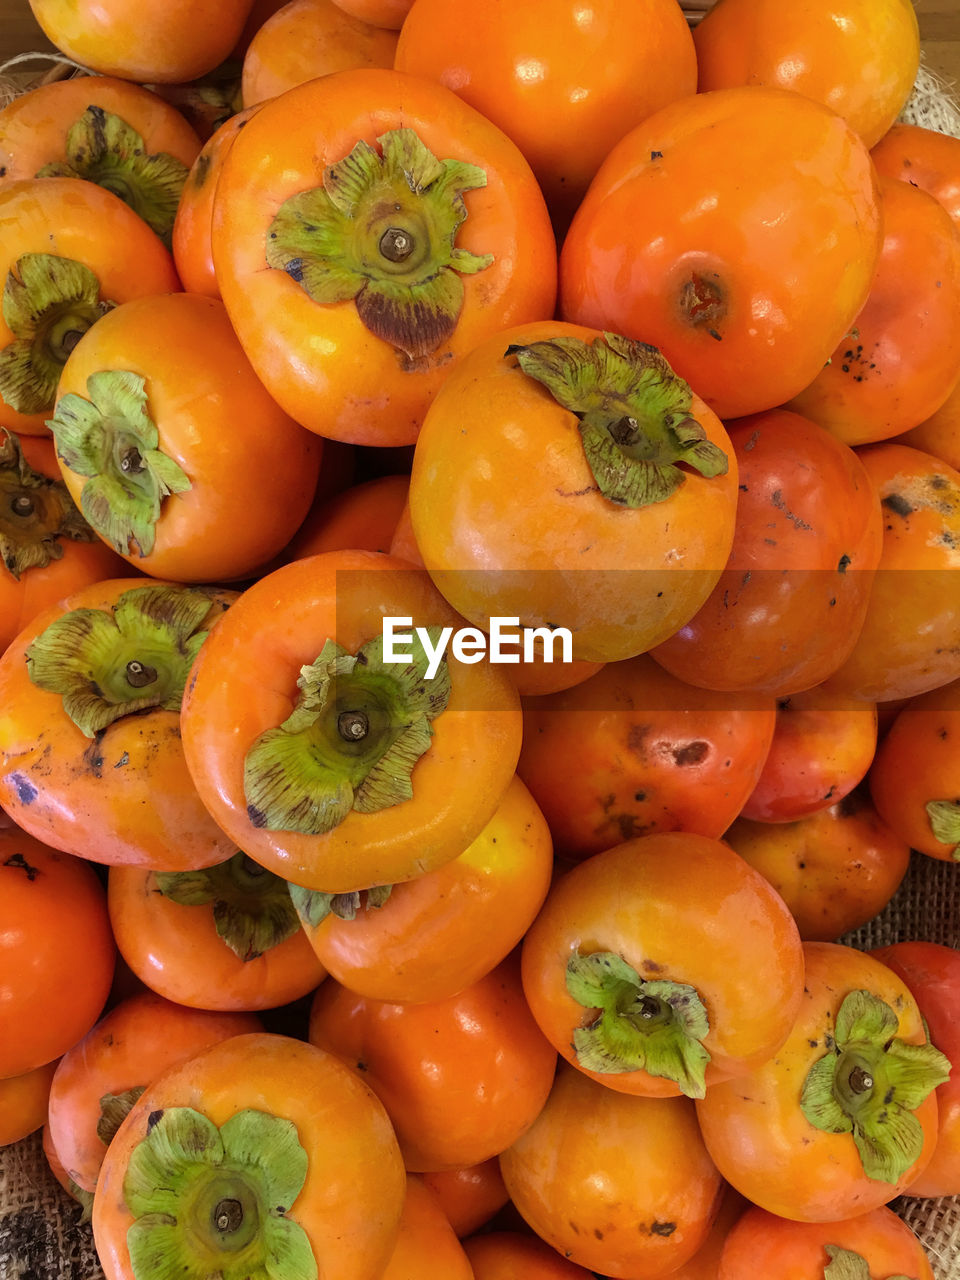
(570,479)
(259,1146)
(57,952)
(353,333)
(379,13)
(229,941)
(925,158)
(172,448)
(360,518)
(859,57)
(99,1078)
(563,81)
(902,358)
(427,1243)
(469,1196)
(111,132)
(511,1255)
(696,236)
(940,433)
(309,38)
(69,252)
(23,1102)
(91,759)
(328,764)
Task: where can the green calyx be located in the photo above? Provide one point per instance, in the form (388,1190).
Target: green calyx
(104,149)
(35,512)
(382,230)
(870,1083)
(844,1264)
(633,413)
(359,726)
(112,441)
(657,1026)
(114,1109)
(213,1202)
(313,907)
(107,663)
(944,818)
(252,909)
(48,305)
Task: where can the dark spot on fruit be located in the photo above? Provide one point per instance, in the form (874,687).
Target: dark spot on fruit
(19,861)
(692,753)
(25,789)
(896,503)
(153,1119)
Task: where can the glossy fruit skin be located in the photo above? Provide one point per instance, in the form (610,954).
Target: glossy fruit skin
(320,363)
(252,469)
(442,931)
(856,57)
(57,952)
(932,972)
(633,750)
(672,905)
(835,869)
(620,579)
(23,1102)
(461,1078)
(918,762)
(565,84)
(121,797)
(136,1041)
(793,594)
(34,126)
(427,1242)
(924,158)
(759,1138)
(180,41)
(704,1263)
(176,951)
(352,1198)
(904,359)
(469,1196)
(678,248)
(306,39)
(511,1255)
(78,220)
(910,641)
(821,750)
(457,784)
(601,1210)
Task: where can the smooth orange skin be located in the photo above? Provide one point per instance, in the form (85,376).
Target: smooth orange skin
(633,750)
(122,798)
(793,595)
(379,13)
(130,1046)
(509,1255)
(306,39)
(56,952)
(858,57)
(905,358)
(835,869)
(180,40)
(192,241)
(759,1138)
(79,220)
(704,1263)
(281,624)
(763,1244)
(352,1199)
(663,212)
(461,1078)
(673,905)
(34,126)
(427,1244)
(821,750)
(361,518)
(252,469)
(23,1102)
(176,951)
(924,158)
(919,761)
(441,932)
(940,434)
(932,972)
(564,82)
(509,520)
(319,361)
(469,1196)
(910,640)
(599,1172)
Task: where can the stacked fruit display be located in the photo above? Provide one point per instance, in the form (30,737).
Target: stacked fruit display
(479,632)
